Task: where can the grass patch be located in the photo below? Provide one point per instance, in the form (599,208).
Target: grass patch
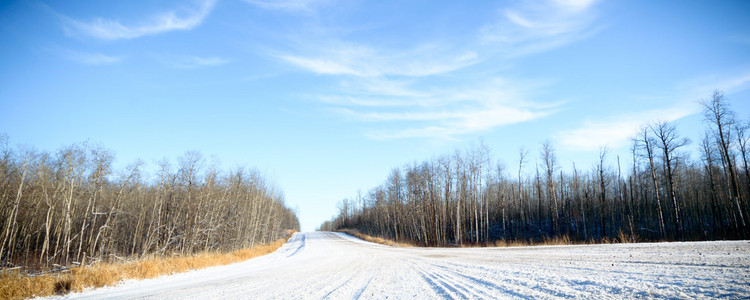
(14,285)
(549,241)
(566,240)
(373,239)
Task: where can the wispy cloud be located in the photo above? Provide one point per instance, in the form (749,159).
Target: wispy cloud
(377,80)
(322,66)
(529,27)
(616,131)
(540,26)
(447,125)
(445,113)
(92,58)
(191,62)
(366,61)
(105,29)
(287,5)
(439,89)
(382,86)
(728,83)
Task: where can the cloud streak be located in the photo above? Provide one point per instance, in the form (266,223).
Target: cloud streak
(286,5)
(617,131)
(727,83)
(191,62)
(446,113)
(364,61)
(534,27)
(439,89)
(92,58)
(447,125)
(105,29)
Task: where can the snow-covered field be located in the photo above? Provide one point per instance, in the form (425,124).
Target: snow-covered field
(333,265)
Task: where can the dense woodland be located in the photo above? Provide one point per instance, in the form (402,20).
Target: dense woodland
(661,194)
(71,207)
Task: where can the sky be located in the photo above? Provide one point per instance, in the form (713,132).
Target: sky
(326,97)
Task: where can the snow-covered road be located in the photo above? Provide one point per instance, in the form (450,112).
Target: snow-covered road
(318,265)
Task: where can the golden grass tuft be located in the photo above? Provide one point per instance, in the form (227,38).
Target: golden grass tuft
(509,243)
(559,240)
(14,285)
(565,240)
(548,241)
(627,238)
(373,239)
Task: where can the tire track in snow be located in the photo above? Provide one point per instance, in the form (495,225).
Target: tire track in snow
(332,265)
(441,287)
(493,288)
(301,246)
(528,288)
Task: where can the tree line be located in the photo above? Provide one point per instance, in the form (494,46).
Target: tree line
(661,194)
(72,207)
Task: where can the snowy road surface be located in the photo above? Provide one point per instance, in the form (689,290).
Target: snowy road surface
(318,265)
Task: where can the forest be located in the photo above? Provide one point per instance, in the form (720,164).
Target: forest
(466,198)
(71,207)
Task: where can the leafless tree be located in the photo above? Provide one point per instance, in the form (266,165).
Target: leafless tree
(721,120)
(454,201)
(72,207)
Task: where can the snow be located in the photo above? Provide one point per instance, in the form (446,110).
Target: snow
(318,265)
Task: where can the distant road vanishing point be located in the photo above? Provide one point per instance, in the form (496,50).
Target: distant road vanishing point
(326,265)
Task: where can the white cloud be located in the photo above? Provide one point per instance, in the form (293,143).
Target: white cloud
(322,66)
(438,89)
(540,26)
(446,125)
(447,113)
(362,61)
(190,62)
(366,101)
(385,88)
(574,5)
(616,131)
(527,28)
(287,5)
(438,132)
(184,19)
(728,83)
(92,58)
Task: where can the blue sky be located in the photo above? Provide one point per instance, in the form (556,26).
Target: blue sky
(326,97)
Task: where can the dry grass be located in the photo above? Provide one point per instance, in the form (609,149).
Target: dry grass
(509,243)
(565,240)
(560,240)
(372,239)
(554,241)
(626,238)
(13,285)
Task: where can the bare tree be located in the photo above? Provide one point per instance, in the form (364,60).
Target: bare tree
(603,190)
(648,145)
(721,119)
(742,139)
(522,153)
(669,141)
(451,201)
(71,207)
(547,155)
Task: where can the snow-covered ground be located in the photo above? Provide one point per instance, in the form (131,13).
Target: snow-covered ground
(318,265)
